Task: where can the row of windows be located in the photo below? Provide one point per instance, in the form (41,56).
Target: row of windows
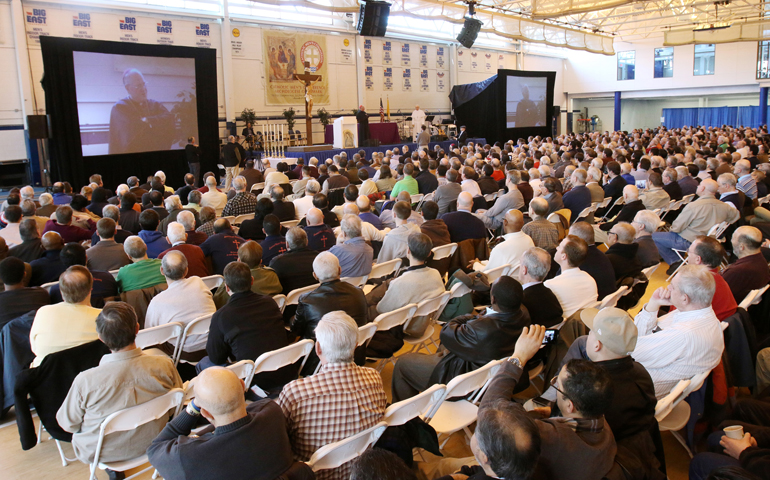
(664,62)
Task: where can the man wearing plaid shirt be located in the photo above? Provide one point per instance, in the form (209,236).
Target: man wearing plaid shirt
(243,202)
(339,401)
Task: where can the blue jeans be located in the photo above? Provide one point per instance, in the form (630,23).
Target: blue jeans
(206,363)
(703,464)
(665,241)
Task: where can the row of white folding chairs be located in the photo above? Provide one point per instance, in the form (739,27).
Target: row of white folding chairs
(754,297)
(174,332)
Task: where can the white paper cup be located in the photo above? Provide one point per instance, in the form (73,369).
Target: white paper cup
(735,432)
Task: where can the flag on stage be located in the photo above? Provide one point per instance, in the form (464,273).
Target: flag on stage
(382,112)
(388,100)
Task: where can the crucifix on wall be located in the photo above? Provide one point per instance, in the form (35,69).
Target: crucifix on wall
(308,80)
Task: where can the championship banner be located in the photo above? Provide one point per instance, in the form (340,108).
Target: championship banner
(81,26)
(440,58)
(369,78)
(462,60)
(407,86)
(127,27)
(488,62)
(475,61)
(440,81)
(387,53)
(406,58)
(202,35)
(165,31)
(37,24)
(284,55)
(424,81)
(368,52)
(387,79)
(424,56)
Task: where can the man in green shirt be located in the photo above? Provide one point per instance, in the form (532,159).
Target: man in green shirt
(143,272)
(265,279)
(408,183)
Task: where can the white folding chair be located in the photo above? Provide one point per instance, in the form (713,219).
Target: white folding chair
(338,453)
(213,281)
(129,419)
(673,413)
(365,334)
(612,299)
(280,300)
(355,281)
(650,270)
(199,326)
(160,335)
(243,370)
(418,406)
(293,297)
(384,269)
(257,186)
(427,308)
(490,197)
(604,203)
(114,273)
(444,251)
(47,286)
(242,218)
(386,321)
(585,213)
(230,218)
(458,290)
(753,297)
(495,273)
(289,223)
(687,199)
(428,197)
(271,361)
(763,200)
(417,198)
(619,201)
(449,417)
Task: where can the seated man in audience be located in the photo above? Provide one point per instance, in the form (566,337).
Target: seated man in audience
(596,263)
(274,243)
(248,442)
(689,185)
(194,201)
(471,342)
(750,271)
(388,215)
(342,399)
(631,206)
(709,252)
(282,209)
(69,324)
(622,251)
(543,306)
(112,212)
(513,200)
(350,195)
(645,224)
(213,198)
(574,288)
(185,299)
(31,247)
(319,236)
(17,299)
(173,207)
(365,209)
(332,294)
(614,182)
(10,233)
(47,268)
(104,288)
(64,227)
(462,224)
(243,202)
(354,254)
(395,244)
(670,184)
(187,219)
(303,204)
(447,194)
(129,217)
(295,267)
(434,227)
(368,231)
(381,464)
(685,342)
(514,245)
(540,230)
(155,241)
(265,280)
(189,186)
(143,272)
(222,246)
(654,196)
(579,197)
(208,217)
(196,260)
(107,254)
(696,219)
(124,378)
(550,189)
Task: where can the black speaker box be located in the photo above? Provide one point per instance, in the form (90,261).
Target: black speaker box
(469,32)
(373,18)
(38,127)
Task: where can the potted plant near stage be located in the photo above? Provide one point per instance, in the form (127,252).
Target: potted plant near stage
(290,120)
(324,116)
(249,116)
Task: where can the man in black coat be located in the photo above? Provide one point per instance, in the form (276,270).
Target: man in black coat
(472,341)
(463,137)
(541,303)
(363,125)
(670,185)
(596,263)
(462,224)
(295,267)
(614,187)
(333,294)
(631,206)
(281,209)
(426,181)
(622,251)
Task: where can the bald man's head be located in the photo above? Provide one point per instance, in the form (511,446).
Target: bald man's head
(52,241)
(630,193)
(363,203)
(404,197)
(314,217)
(350,209)
(709,187)
(219,391)
(464,201)
(513,221)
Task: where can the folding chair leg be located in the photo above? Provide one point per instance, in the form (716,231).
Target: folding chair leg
(40,432)
(468,435)
(682,441)
(64,460)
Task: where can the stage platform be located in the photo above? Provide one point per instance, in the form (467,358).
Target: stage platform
(322,156)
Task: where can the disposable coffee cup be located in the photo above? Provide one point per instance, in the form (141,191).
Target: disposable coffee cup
(735,432)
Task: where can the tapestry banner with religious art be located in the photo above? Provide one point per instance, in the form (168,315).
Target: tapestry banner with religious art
(284,55)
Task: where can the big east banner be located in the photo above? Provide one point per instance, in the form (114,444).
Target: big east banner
(285,55)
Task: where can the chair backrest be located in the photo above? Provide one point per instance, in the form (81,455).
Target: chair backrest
(444,251)
(289,223)
(612,299)
(386,321)
(495,273)
(384,269)
(688,198)
(604,203)
(47,286)
(258,186)
(242,218)
(355,281)
(199,326)
(114,273)
(431,305)
(586,212)
(293,297)
(271,361)
(490,197)
(280,299)
(753,297)
(466,383)
(159,335)
(230,218)
(213,281)
(417,198)
(365,333)
(667,403)
(335,454)
(650,270)
(132,417)
(419,405)
(717,230)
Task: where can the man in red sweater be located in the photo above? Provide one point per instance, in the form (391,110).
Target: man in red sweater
(196,260)
(709,252)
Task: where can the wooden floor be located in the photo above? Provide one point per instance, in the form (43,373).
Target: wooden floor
(43,462)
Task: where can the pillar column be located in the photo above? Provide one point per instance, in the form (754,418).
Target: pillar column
(763,106)
(617,111)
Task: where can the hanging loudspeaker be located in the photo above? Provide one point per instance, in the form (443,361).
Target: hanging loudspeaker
(469,32)
(373,18)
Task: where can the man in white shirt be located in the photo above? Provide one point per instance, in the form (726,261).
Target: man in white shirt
(418,119)
(469,184)
(395,243)
(183,301)
(304,204)
(10,233)
(369,232)
(574,288)
(685,342)
(387,217)
(515,244)
(214,198)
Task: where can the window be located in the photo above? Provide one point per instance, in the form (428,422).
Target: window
(664,62)
(763,59)
(703,63)
(626,65)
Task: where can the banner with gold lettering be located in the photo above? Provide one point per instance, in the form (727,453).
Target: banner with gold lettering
(284,55)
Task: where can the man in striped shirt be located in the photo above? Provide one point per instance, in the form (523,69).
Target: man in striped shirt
(685,342)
